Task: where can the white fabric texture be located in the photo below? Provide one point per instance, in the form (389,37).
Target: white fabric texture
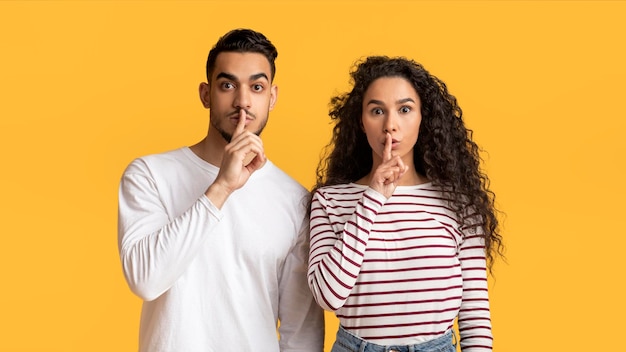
(211,279)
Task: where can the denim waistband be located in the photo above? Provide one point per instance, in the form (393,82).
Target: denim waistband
(441,343)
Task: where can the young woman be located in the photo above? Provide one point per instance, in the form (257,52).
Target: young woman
(403,225)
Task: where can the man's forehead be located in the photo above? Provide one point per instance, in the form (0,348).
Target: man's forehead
(242,65)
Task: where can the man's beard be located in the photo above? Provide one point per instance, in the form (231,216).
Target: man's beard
(228,136)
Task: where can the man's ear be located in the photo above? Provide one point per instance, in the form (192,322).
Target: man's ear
(205,94)
(273,96)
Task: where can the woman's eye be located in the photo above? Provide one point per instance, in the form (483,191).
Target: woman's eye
(377,111)
(405,109)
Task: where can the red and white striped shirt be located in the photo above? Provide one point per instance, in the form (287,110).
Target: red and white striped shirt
(398,271)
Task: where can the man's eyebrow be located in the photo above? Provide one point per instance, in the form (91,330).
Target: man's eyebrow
(228,76)
(232,77)
(258,76)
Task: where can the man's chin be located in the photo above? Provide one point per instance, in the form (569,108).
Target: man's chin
(227,136)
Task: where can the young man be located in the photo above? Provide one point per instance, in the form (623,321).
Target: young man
(214,237)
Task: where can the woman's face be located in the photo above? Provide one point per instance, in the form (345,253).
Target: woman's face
(391,105)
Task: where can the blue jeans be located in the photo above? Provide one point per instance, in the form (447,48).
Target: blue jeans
(346,342)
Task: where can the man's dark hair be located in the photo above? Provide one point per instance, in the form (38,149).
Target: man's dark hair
(242,41)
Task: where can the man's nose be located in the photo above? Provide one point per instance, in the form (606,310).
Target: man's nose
(242,99)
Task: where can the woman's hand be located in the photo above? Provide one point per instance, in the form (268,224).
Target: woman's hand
(388,173)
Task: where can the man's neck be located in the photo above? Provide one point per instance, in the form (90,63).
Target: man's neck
(211,148)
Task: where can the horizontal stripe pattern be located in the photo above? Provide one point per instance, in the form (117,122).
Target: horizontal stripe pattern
(398,271)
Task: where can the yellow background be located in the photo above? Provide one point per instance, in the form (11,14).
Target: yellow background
(87,86)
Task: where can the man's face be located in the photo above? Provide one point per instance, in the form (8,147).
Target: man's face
(239,81)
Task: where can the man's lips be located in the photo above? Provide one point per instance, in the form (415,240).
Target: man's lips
(235,115)
(234,118)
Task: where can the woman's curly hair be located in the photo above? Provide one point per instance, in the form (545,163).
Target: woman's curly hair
(444,152)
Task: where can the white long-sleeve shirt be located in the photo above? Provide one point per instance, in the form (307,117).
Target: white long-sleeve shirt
(211,279)
(397,271)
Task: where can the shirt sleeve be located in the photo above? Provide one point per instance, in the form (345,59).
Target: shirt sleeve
(301,319)
(155,249)
(474,316)
(335,258)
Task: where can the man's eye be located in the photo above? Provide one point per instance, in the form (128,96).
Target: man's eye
(257,87)
(227,85)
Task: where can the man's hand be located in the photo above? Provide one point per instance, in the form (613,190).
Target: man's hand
(242,156)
